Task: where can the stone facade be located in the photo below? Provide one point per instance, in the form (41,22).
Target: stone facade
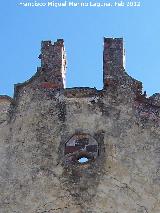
(45,130)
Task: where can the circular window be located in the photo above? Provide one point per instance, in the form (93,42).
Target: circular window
(81,149)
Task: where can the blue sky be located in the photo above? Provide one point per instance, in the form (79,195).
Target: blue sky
(83,29)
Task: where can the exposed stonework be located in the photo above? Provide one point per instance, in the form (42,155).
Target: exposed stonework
(51,74)
(45,129)
(113,59)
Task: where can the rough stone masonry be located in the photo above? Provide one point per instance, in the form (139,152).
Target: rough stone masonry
(46,130)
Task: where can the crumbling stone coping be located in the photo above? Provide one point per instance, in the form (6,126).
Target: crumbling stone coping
(81,92)
(5,98)
(27,82)
(150,101)
(75,92)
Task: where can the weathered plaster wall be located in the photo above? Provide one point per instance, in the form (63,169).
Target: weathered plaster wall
(38,176)
(5,102)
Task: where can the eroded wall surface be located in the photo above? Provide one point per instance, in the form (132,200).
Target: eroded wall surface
(48,129)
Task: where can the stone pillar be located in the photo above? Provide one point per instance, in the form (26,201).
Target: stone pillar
(53,62)
(113,59)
